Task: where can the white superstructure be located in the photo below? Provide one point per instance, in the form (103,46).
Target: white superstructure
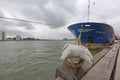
(18,37)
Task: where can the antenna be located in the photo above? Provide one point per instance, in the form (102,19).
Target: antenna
(88,10)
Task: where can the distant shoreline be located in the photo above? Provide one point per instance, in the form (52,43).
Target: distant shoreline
(35,40)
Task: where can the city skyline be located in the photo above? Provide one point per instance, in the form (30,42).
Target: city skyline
(4,37)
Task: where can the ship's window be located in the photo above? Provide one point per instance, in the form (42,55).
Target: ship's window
(90,39)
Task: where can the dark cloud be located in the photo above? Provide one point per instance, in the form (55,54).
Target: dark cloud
(10,23)
(8,27)
(25,25)
(58,12)
(6,23)
(51,12)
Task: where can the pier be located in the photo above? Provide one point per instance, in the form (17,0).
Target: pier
(106,67)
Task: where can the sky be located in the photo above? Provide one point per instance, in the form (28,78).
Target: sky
(58,13)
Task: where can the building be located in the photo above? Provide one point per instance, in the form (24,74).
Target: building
(18,38)
(2,35)
(65,38)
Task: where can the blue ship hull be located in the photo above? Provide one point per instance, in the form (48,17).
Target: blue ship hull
(95,33)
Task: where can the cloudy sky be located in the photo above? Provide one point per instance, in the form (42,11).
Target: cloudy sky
(58,13)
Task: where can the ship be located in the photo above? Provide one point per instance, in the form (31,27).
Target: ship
(93,34)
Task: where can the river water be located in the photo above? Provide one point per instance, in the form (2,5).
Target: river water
(29,60)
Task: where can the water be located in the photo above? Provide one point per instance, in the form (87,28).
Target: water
(29,60)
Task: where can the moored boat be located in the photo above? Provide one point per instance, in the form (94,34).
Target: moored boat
(93,34)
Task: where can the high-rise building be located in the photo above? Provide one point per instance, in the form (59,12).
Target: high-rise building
(2,35)
(18,37)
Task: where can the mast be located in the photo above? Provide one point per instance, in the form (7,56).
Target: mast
(88,10)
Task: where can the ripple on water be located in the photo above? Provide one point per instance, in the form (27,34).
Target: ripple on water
(29,60)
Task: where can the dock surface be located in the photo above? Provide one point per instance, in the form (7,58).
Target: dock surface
(106,67)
